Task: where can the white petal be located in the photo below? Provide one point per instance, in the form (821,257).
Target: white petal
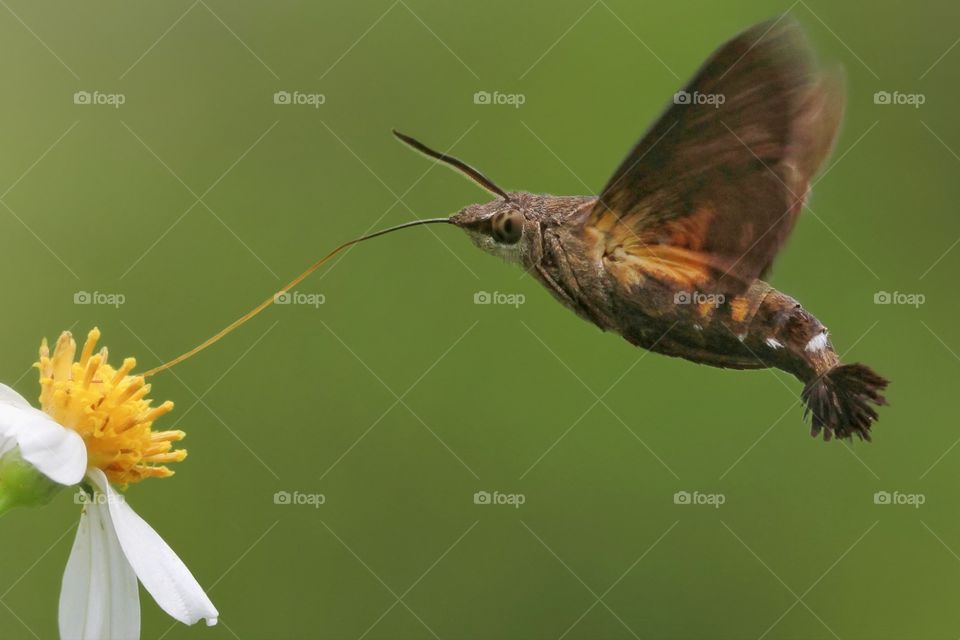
(98,597)
(11,397)
(162,573)
(56,452)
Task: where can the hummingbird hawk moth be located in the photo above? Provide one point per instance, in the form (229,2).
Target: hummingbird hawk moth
(672,253)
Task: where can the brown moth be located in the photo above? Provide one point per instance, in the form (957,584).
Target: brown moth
(671,254)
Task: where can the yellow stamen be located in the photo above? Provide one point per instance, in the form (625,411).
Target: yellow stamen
(89,346)
(109,409)
(168,436)
(125,368)
(170,456)
(92,366)
(143,471)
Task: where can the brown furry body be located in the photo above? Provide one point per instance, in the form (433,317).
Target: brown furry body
(732,332)
(760,328)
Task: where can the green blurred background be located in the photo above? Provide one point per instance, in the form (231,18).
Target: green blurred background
(199,195)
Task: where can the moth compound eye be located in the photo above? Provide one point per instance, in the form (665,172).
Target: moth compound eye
(507,227)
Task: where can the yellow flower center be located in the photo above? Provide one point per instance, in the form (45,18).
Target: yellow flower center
(109,409)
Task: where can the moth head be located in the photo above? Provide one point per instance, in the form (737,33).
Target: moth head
(505,228)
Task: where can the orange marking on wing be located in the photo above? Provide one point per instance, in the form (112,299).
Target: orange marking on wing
(706,308)
(690,231)
(738,308)
(671,264)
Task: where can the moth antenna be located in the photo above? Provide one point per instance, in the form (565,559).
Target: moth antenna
(459,165)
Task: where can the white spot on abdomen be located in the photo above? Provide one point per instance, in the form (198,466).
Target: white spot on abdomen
(817,342)
(773,343)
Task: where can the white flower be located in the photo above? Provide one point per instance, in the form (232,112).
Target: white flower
(114,547)
(96,428)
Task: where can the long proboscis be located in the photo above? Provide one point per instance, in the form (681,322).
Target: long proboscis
(290,285)
(457,164)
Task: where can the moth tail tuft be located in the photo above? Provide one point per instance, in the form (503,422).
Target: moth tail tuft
(841,401)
